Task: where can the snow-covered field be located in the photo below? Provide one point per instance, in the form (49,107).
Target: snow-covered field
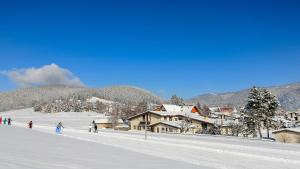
(77,120)
(77,148)
(25,149)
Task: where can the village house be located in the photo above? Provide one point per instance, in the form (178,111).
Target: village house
(175,108)
(222,113)
(287,135)
(171,119)
(107,123)
(293,116)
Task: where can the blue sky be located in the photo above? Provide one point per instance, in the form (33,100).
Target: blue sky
(183,47)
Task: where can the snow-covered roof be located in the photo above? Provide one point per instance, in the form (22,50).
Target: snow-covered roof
(171,108)
(175,124)
(297,130)
(106,120)
(122,126)
(184,114)
(223,109)
(224,122)
(175,108)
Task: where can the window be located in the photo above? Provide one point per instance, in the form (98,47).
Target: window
(163,129)
(165,118)
(170,118)
(134,127)
(170,129)
(166,129)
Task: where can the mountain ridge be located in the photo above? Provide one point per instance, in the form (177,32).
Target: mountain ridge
(288,96)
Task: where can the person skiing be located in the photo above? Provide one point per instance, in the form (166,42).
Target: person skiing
(0,120)
(4,121)
(59,128)
(90,128)
(30,124)
(95,128)
(9,121)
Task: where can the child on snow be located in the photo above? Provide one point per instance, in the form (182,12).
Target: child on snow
(59,128)
(90,128)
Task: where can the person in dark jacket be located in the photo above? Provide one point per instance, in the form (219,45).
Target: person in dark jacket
(30,124)
(9,121)
(95,128)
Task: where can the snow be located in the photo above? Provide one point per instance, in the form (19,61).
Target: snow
(172,123)
(176,108)
(95,99)
(77,120)
(185,114)
(29,149)
(297,130)
(89,150)
(106,120)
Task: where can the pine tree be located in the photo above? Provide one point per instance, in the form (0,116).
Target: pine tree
(261,107)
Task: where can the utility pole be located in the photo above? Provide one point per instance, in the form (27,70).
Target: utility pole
(146,126)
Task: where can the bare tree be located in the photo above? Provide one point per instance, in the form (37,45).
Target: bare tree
(115,115)
(185,124)
(177,100)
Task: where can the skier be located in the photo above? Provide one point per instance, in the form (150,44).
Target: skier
(30,124)
(4,121)
(9,121)
(0,120)
(95,128)
(59,128)
(90,128)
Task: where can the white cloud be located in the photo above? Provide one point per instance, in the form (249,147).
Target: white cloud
(47,75)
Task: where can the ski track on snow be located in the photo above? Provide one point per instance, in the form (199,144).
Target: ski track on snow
(201,153)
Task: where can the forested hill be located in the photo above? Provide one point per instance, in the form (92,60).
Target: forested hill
(27,97)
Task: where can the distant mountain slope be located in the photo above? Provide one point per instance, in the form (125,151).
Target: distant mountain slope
(288,95)
(26,97)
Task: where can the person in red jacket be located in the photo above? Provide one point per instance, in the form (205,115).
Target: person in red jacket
(0,120)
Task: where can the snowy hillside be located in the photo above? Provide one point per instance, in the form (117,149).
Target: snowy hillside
(288,95)
(27,97)
(96,99)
